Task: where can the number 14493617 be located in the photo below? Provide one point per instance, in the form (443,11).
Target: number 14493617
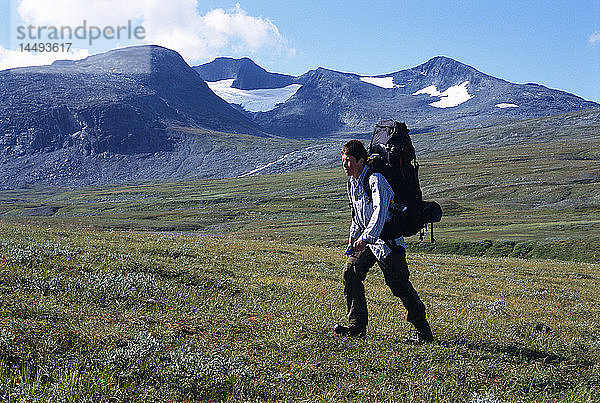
(45,47)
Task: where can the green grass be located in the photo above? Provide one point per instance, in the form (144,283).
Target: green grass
(227,290)
(96,315)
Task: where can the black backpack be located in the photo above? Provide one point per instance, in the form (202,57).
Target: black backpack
(392,154)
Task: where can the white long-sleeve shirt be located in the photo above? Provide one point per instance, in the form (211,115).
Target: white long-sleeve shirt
(370,214)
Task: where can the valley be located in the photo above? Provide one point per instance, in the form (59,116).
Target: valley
(528,184)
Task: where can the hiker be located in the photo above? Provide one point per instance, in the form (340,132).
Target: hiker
(365,248)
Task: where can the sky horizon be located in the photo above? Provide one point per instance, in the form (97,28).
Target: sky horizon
(555,44)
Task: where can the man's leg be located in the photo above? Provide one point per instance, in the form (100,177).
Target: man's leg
(396,273)
(353,275)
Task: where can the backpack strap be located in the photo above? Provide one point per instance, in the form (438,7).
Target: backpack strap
(350,201)
(366,186)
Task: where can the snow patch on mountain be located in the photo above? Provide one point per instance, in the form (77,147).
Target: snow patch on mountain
(431,90)
(383,82)
(261,100)
(505,105)
(453,96)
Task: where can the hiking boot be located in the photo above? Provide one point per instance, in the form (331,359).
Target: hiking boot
(350,331)
(422,335)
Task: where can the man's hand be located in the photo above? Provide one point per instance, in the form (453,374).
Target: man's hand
(360,245)
(349,251)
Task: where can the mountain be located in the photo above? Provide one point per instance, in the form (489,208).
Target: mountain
(130,114)
(440,94)
(143,114)
(246,74)
(122,101)
(247,86)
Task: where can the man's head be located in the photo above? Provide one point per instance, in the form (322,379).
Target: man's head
(354,156)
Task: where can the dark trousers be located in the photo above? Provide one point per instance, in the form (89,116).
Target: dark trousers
(395,272)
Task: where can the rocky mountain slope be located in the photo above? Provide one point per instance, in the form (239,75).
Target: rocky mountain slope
(122,101)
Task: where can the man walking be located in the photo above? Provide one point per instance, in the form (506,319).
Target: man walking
(369,215)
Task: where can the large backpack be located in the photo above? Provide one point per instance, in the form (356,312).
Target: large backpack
(392,154)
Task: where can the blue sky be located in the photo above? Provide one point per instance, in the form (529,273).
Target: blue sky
(554,43)
(521,41)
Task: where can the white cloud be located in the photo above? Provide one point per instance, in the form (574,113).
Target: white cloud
(593,38)
(10,59)
(201,37)
(73,12)
(175,24)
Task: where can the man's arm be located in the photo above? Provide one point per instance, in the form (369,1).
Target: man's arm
(354,233)
(354,230)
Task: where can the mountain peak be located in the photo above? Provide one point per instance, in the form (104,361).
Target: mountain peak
(247,75)
(442,59)
(242,61)
(444,64)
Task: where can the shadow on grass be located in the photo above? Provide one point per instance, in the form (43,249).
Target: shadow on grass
(523,353)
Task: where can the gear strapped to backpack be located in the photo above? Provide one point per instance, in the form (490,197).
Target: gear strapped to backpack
(392,154)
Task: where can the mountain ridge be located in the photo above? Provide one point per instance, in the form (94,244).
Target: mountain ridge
(440,94)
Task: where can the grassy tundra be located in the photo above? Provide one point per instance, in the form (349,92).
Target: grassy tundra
(228,289)
(117,316)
